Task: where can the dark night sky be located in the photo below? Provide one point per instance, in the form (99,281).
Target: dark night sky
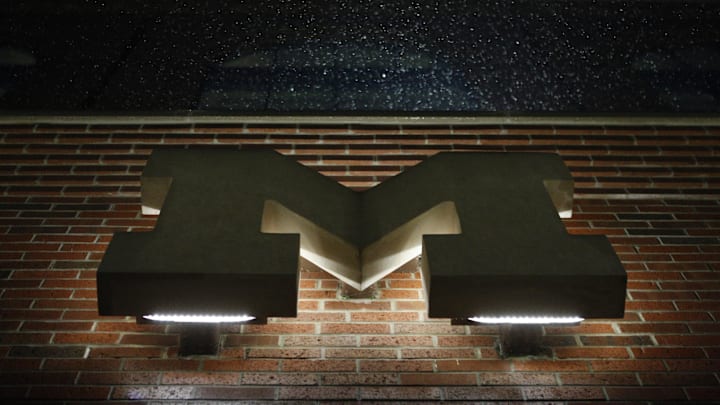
(457,57)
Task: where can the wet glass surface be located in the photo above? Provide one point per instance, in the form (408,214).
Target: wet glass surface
(403,57)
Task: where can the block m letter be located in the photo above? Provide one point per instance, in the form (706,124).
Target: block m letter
(233,225)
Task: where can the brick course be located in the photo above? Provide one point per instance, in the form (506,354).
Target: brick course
(654,191)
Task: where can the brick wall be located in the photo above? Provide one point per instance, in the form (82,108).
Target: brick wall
(654,191)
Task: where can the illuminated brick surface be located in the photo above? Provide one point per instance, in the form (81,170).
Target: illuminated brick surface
(654,191)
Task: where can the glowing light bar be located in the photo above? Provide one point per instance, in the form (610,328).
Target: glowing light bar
(198,318)
(527,319)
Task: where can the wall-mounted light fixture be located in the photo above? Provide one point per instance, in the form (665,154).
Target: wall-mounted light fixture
(233,226)
(526,320)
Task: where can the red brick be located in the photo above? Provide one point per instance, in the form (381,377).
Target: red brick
(684,340)
(417,284)
(307,284)
(604,379)
(281,328)
(438,379)
(14,284)
(319,340)
(627,365)
(325,393)
(484,393)
(251,340)
(69,392)
(317,294)
(591,352)
(200,378)
(82,364)
(410,306)
(118,378)
(86,338)
(356,306)
(30,247)
(678,379)
(30,314)
(200,392)
(11,325)
(645,394)
(640,340)
(279,379)
(360,379)
(549,365)
(703,393)
(150,339)
(126,352)
(37,293)
(320,317)
(693,365)
(473,365)
(16,304)
(400,294)
(583,328)
(662,295)
(65,304)
(395,365)
(65,283)
(706,327)
(395,341)
(161,365)
(143,392)
(360,353)
(240,365)
(400,393)
(667,352)
(466,341)
(386,316)
(355,328)
(563,393)
(428,329)
(315,365)
(20,364)
(677,316)
(307,305)
(25,338)
(437,353)
(517,379)
(53,274)
(34,378)
(695,305)
(641,285)
(284,353)
(650,306)
(653,328)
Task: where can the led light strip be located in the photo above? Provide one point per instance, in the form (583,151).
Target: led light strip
(526,319)
(198,318)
